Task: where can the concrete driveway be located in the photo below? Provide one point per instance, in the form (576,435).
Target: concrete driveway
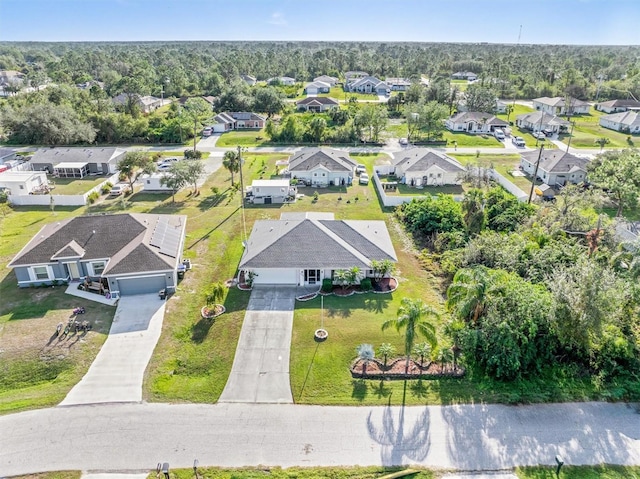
(260,372)
(117,372)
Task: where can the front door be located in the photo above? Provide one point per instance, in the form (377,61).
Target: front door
(267,200)
(311,276)
(73,270)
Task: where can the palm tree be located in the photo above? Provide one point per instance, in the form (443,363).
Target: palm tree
(231,162)
(422,350)
(412,317)
(445,355)
(468,293)
(473,210)
(385,350)
(602,142)
(365,354)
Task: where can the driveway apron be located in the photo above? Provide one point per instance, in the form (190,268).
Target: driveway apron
(117,372)
(260,372)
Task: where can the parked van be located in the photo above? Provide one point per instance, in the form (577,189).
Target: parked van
(518,141)
(499,134)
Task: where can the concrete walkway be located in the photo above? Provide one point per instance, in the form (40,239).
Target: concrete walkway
(260,372)
(117,372)
(135,437)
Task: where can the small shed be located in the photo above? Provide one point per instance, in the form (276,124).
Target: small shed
(545,191)
(271,192)
(153,183)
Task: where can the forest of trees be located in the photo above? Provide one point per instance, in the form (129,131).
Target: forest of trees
(177,69)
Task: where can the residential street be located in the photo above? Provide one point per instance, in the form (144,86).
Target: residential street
(135,437)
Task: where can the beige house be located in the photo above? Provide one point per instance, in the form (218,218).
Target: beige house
(561,106)
(625,122)
(426,167)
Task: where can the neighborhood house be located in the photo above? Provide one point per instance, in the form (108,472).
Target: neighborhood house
(426,167)
(475,122)
(305,248)
(625,121)
(556,168)
(20,183)
(77,162)
(368,84)
(237,120)
(147,104)
(322,167)
(327,79)
(127,254)
(398,84)
(317,104)
(616,106)
(317,87)
(561,106)
(536,121)
(469,76)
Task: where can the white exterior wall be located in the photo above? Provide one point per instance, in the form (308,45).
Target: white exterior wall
(22,186)
(316,176)
(60,200)
(612,125)
(152,183)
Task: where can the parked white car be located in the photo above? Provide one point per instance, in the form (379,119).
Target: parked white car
(499,134)
(364,179)
(360,169)
(119,189)
(518,141)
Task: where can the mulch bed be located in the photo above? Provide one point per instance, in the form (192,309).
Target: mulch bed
(395,369)
(385,285)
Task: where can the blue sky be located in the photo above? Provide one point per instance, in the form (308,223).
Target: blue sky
(495,21)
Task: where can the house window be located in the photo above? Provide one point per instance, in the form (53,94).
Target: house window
(315,174)
(439,175)
(41,272)
(22,187)
(97,267)
(148,182)
(323,174)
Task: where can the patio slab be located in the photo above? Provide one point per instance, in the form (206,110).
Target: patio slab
(73,290)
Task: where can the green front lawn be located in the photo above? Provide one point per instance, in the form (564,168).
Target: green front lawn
(517,110)
(580,472)
(242,138)
(338,93)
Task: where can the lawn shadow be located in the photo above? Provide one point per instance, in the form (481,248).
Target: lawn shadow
(359,389)
(402,433)
(338,312)
(377,303)
(200,330)
(419,389)
(214,200)
(236,300)
(381,390)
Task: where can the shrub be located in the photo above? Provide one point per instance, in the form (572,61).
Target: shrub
(327,285)
(106,188)
(192,155)
(365,284)
(93,197)
(4,196)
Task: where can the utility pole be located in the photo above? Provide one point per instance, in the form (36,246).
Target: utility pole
(244,225)
(535,174)
(573,123)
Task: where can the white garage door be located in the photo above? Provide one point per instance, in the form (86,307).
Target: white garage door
(276,276)
(150,284)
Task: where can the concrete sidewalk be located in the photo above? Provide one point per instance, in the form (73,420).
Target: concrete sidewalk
(260,372)
(117,372)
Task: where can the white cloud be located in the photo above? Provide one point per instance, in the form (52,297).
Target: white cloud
(277,18)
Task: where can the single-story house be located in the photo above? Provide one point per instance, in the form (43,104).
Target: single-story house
(153,183)
(182,101)
(561,106)
(538,121)
(77,162)
(501,107)
(426,167)
(147,104)
(237,120)
(20,183)
(469,76)
(317,87)
(616,106)
(322,167)
(131,253)
(556,168)
(266,192)
(354,75)
(625,121)
(317,104)
(285,81)
(305,248)
(249,80)
(398,84)
(7,154)
(474,122)
(332,81)
(368,84)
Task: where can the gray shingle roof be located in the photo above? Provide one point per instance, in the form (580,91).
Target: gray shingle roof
(320,100)
(421,159)
(333,160)
(76,155)
(478,116)
(534,117)
(116,237)
(627,118)
(309,243)
(556,161)
(560,101)
(620,103)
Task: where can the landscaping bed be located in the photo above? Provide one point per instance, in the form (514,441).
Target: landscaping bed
(397,369)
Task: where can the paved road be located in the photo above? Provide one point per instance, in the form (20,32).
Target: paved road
(117,372)
(260,372)
(135,437)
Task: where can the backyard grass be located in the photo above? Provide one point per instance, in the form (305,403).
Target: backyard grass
(243,138)
(75,186)
(396,129)
(461,84)
(339,94)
